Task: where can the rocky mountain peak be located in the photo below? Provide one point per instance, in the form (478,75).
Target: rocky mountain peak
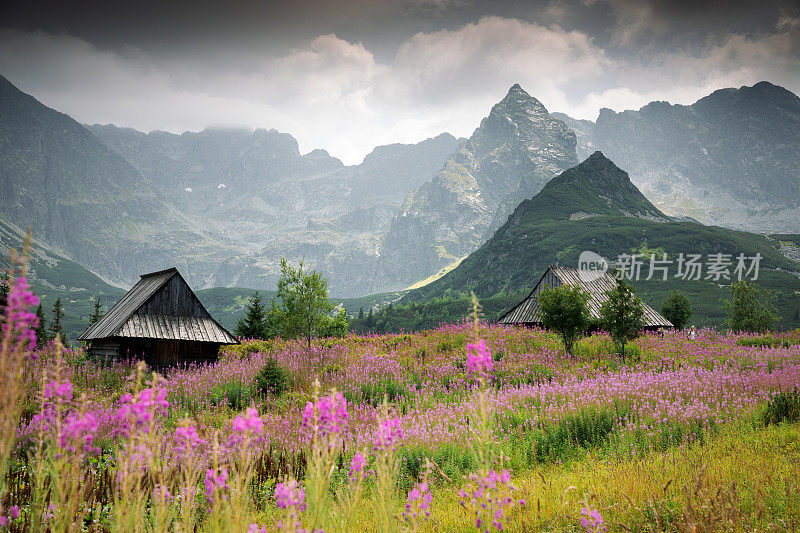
(516,149)
(522,121)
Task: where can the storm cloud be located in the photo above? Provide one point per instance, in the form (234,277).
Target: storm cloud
(348,76)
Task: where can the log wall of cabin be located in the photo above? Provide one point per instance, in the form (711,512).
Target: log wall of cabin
(175,298)
(155,352)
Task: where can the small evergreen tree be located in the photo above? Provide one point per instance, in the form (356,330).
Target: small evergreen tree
(565,310)
(750,309)
(254,324)
(5,285)
(361,313)
(622,315)
(370,319)
(677,309)
(41,330)
(97,313)
(56,327)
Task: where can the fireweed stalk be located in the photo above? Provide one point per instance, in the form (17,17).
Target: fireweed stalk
(350,494)
(247,431)
(324,418)
(489,496)
(139,454)
(70,447)
(418,502)
(16,348)
(387,468)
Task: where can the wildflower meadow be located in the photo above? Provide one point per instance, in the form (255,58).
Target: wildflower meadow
(464,427)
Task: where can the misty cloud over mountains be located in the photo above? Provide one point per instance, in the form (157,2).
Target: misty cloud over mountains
(347,79)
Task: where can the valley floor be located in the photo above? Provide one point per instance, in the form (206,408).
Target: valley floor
(685,435)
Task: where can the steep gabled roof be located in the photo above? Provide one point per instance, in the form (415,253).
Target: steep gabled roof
(122,321)
(527,311)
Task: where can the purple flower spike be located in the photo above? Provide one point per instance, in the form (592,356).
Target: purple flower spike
(18,318)
(331,414)
(479,360)
(290,495)
(592,521)
(389,433)
(215,483)
(357,466)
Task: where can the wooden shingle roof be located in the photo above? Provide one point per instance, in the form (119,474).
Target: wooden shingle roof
(527,311)
(126,319)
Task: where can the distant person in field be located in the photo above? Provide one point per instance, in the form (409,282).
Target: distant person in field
(692,333)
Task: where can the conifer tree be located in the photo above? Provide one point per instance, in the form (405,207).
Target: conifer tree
(254,324)
(97,314)
(57,328)
(5,287)
(41,330)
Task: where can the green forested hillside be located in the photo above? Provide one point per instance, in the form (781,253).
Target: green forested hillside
(546,230)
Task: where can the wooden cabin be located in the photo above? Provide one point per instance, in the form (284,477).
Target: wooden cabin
(161,321)
(527,311)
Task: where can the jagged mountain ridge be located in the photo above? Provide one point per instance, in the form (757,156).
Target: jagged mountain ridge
(731,158)
(516,149)
(222,205)
(259,191)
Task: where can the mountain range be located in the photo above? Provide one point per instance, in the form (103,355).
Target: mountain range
(732,158)
(225,205)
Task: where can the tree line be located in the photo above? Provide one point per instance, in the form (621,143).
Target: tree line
(565,310)
(300,309)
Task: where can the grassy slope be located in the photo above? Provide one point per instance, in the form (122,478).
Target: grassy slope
(517,256)
(728,474)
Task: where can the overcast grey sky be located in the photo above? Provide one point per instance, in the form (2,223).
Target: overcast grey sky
(347,76)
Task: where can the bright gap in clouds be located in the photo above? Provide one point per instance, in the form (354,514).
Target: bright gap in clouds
(333,94)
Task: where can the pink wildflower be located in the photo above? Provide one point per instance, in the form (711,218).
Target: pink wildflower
(79,430)
(357,466)
(388,434)
(418,502)
(592,521)
(290,494)
(479,360)
(331,414)
(58,391)
(187,439)
(215,483)
(18,321)
(161,494)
